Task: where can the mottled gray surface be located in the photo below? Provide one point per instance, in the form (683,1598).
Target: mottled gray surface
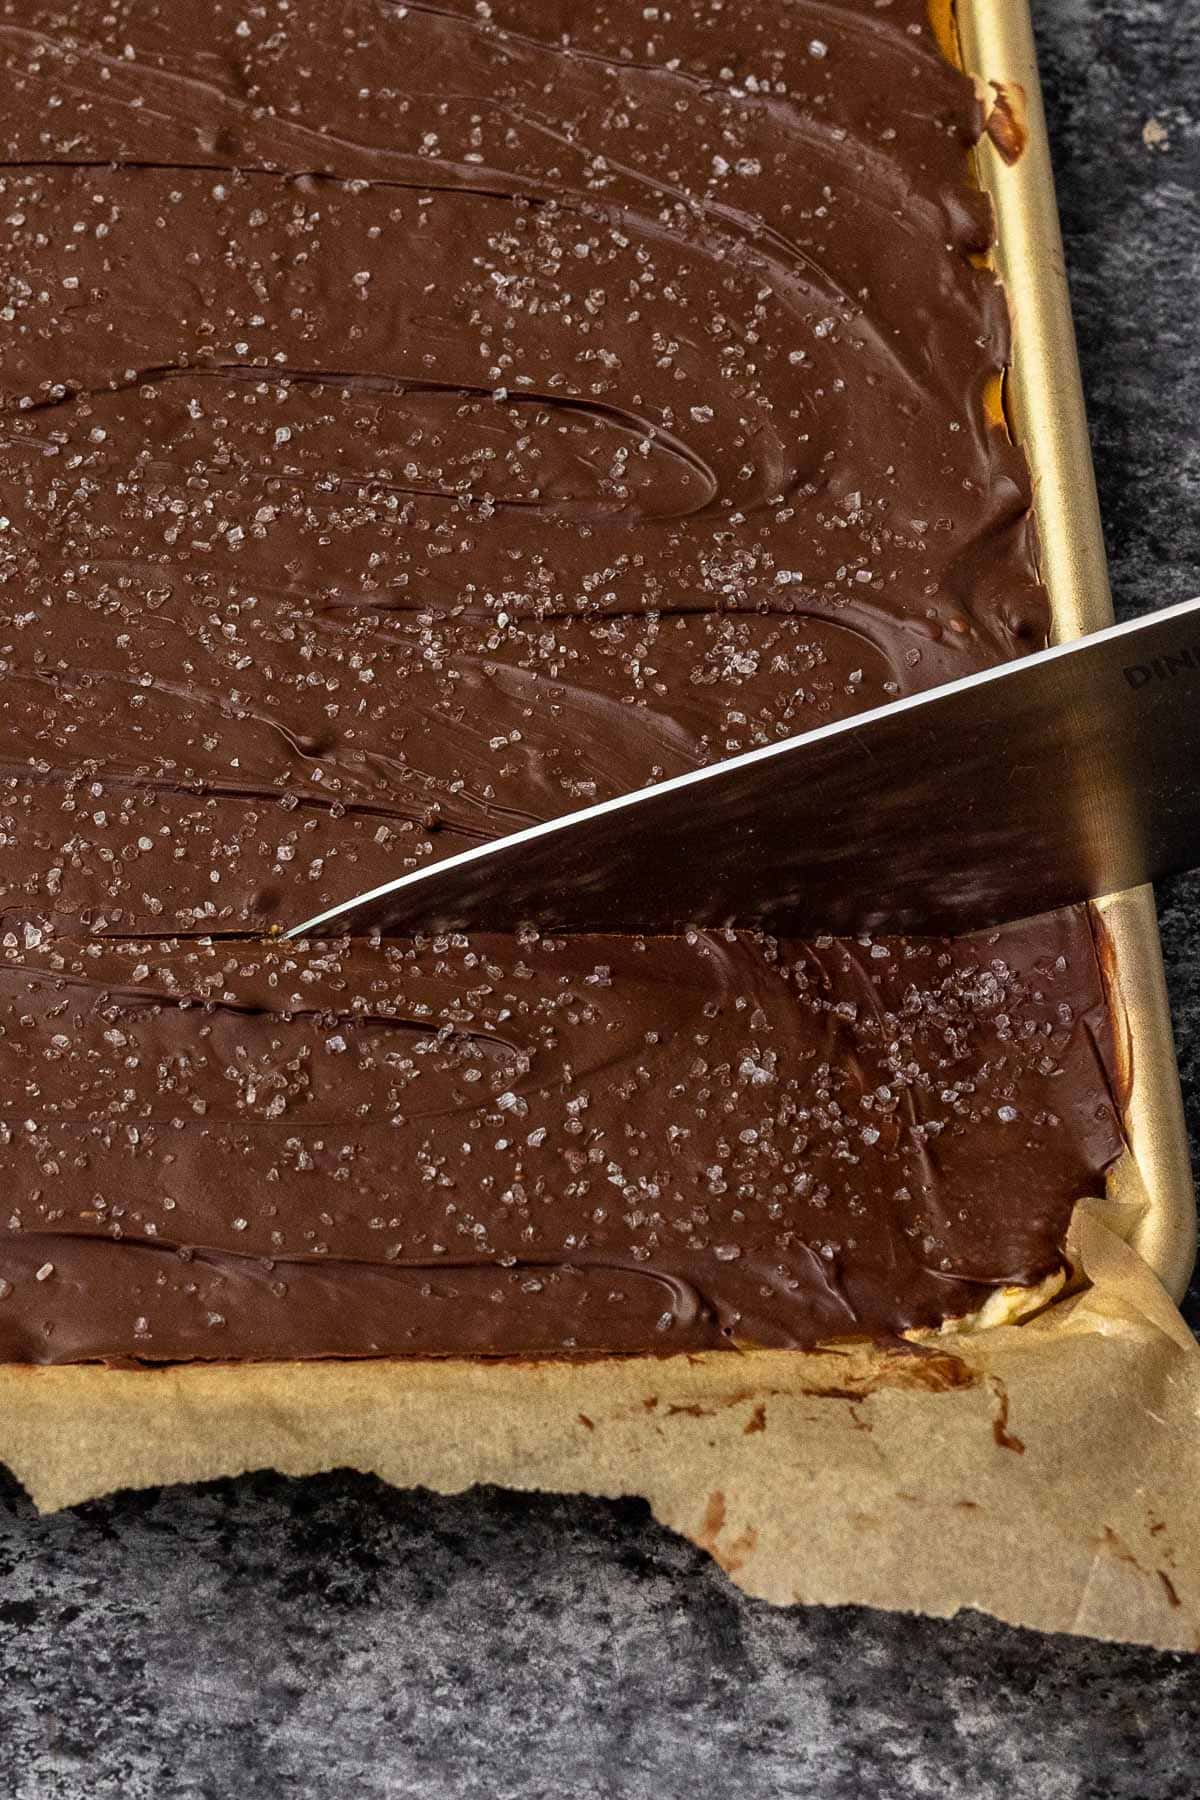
(329,1637)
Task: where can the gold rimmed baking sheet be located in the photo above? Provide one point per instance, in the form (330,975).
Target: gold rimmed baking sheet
(1045,407)
(1041,404)
(1047,1472)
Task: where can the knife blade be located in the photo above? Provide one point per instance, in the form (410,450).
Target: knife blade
(1068,774)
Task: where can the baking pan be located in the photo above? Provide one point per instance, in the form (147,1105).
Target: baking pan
(859,1474)
(1044,409)
(1041,403)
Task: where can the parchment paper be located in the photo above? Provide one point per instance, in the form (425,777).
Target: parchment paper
(1048,1472)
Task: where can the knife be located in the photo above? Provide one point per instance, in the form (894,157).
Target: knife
(1068,774)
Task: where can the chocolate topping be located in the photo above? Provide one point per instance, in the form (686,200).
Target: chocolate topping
(416,422)
(590,1144)
(415,425)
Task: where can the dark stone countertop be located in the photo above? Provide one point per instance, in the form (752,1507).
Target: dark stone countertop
(268,1638)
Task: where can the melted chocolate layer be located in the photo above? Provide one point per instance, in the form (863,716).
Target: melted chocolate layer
(419,421)
(415,422)
(589,1144)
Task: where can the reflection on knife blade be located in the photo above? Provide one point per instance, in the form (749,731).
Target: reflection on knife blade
(1072,773)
